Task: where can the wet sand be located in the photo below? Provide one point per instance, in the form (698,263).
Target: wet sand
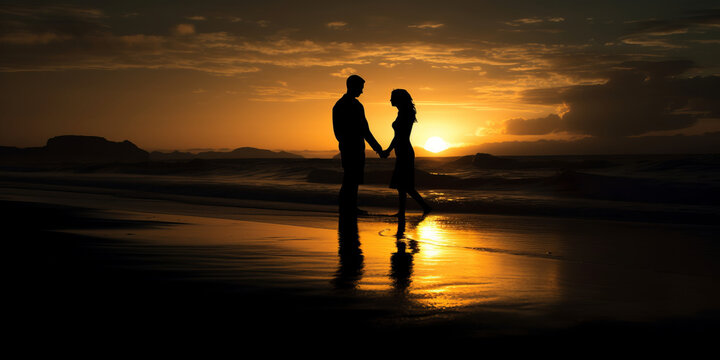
(161,267)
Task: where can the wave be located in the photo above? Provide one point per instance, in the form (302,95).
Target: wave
(224,191)
(693,164)
(643,188)
(566,183)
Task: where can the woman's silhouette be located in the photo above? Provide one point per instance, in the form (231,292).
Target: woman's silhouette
(403,178)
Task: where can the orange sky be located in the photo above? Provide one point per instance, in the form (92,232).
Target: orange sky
(226,75)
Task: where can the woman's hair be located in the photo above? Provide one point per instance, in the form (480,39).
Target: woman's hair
(404,103)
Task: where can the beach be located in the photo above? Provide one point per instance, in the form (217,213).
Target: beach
(254,179)
(106,261)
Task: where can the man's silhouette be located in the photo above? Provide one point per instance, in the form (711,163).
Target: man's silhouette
(350,267)
(352,130)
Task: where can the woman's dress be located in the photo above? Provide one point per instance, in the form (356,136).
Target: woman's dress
(403,177)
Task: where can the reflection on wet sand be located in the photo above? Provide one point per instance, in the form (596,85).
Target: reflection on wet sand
(441,267)
(452,271)
(440,264)
(485,274)
(401,261)
(350,268)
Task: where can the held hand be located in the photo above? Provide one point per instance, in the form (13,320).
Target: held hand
(384,154)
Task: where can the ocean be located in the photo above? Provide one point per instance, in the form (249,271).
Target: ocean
(654,188)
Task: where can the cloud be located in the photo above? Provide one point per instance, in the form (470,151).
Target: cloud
(184,29)
(344,73)
(706,41)
(548,25)
(56,11)
(47,24)
(479,69)
(427,25)
(286,94)
(639,97)
(232,19)
(39,42)
(538,126)
(104,50)
(32,38)
(651,42)
(196,18)
(280,47)
(534,20)
(336,24)
(659,33)
(524,21)
(702,19)
(30,35)
(708,143)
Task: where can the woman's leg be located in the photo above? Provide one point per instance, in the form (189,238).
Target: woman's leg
(402,195)
(415,195)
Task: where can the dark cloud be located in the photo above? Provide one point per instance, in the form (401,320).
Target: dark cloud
(638,98)
(70,38)
(708,143)
(63,22)
(657,32)
(655,27)
(545,96)
(703,94)
(538,126)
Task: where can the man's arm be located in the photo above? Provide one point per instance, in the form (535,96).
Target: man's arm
(368,135)
(337,125)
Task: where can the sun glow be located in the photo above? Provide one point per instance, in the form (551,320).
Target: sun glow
(436,144)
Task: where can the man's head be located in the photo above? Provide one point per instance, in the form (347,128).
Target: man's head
(355,85)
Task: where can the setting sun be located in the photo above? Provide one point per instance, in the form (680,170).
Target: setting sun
(435,144)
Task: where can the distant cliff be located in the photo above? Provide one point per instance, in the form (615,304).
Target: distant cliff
(239,153)
(75,149)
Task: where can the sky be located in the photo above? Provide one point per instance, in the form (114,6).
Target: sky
(509,75)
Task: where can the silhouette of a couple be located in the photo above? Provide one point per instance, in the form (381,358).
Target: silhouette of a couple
(352,130)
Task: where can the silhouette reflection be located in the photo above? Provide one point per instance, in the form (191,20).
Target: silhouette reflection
(350,268)
(401,261)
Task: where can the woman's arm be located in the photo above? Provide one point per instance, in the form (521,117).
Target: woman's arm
(385,153)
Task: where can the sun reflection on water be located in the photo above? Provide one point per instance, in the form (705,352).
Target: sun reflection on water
(436,263)
(448,271)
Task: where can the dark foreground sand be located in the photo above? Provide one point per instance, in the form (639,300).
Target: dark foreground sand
(93,267)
